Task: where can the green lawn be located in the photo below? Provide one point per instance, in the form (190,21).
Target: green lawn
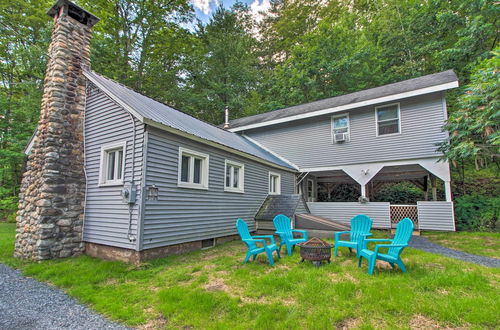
(213,289)
(483,244)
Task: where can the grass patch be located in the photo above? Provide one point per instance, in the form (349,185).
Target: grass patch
(213,289)
(481,243)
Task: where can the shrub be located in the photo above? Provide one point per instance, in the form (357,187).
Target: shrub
(477,212)
(8,208)
(398,193)
(342,192)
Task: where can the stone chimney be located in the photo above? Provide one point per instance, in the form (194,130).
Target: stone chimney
(50,215)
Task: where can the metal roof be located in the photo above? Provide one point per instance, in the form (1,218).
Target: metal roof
(146,108)
(401,87)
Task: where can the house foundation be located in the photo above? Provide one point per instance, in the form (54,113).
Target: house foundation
(114,253)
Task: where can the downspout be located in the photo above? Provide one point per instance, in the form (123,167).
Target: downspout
(131,237)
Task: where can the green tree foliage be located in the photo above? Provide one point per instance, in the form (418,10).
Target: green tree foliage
(332,47)
(141,43)
(477,212)
(24,33)
(301,51)
(223,70)
(475,124)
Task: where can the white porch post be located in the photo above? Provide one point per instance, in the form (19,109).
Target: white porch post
(447,190)
(434,187)
(363,190)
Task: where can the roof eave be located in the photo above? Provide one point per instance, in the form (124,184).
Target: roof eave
(389,98)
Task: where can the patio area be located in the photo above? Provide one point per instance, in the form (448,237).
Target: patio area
(214,289)
(339,193)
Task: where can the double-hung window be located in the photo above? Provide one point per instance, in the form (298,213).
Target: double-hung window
(193,169)
(112,164)
(388,119)
(234,177)
(340,128)
(274,183)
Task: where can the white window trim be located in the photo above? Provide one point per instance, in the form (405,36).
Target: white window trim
(103,163)
(278,190)
(204,170)
(348,126)
(399,119)
(241,181)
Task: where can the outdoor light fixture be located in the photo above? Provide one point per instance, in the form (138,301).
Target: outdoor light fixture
(153,193)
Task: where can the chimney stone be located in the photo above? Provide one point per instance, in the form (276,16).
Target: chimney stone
(51,202)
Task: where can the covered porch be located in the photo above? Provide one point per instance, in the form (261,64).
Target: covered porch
(340,192)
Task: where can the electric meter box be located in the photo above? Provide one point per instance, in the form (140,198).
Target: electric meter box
(129,193)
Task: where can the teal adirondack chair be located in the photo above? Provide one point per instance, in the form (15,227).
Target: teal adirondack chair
(251,243)
(360,229)
(404,230)
(283,226)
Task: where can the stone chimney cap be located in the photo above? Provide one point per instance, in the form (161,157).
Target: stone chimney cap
(73,11)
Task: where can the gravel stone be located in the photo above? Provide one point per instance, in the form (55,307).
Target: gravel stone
(28,304)
(423,243)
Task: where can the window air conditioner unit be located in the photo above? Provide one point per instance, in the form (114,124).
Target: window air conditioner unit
(339,137)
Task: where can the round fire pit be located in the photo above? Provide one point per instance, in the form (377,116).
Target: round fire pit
(315,250)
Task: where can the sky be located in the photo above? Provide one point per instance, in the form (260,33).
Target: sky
(205,8)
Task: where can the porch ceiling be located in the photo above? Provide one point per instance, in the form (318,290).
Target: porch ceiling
(386,174)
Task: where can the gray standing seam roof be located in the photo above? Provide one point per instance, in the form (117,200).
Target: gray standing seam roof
(278,204)
(364,95)
(163,114)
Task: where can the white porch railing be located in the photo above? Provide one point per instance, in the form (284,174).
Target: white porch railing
(431,215)
(436,216)
(343,211)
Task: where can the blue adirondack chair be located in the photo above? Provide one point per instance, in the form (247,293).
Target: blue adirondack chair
(404,230)
(283,226)
(360,229)
(251,243)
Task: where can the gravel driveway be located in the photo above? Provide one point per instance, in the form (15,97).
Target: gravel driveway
(422,243)
(28,304)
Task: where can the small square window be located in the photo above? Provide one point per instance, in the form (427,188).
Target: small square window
(193,169)
(274,183)
(388,119)
(234,177)
(112,164)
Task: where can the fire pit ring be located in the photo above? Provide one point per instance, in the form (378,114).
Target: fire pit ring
(315,250)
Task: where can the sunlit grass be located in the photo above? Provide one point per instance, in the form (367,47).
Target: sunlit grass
(483,244)
(214,289)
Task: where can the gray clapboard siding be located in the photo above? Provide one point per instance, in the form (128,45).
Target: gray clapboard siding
(106,216)
(308,142)
(181,214)
(343,212)
(435,216)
